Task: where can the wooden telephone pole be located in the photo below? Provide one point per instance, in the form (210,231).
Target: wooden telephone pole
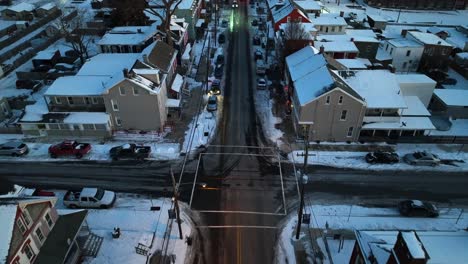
(176,203)
(304,171)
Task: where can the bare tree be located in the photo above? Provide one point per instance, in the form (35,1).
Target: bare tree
(165,14)
(295,31)
(71,27)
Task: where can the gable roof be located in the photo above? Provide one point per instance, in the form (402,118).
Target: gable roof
(160,54)
(282,12)
(107,64)
(22,7)
(328,19)
(78,85)
(132,35)
(7,223)
(337,46)
(303,61)
(428,38)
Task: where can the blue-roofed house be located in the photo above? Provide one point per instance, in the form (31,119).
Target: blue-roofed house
(332,112)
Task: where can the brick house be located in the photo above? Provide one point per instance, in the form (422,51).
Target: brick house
(436,54)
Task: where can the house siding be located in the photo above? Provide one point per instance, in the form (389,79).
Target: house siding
(143,112)
(3,115)
(367,50)
(399,58)
(327,125)
(80,104)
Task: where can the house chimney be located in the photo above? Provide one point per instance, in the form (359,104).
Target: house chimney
(139,30)
(403,32)
(341,13)
(352,40)
(125,72)
(322,49)
(439,42)
(409,249)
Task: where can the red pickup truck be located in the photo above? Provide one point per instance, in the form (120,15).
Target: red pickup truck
(69,148)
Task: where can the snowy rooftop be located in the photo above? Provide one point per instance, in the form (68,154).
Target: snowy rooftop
(328,19)
(128,35)
(45,54)
(78,85)
(309,5)
(107,64)
(86,118)
(463,55)
(414,246)
(7,221)
(47,6)
(414,78)
(452,97)
(303,61)
(282,12)
(442,247)
(354,64)
(405,123)
(404,42)
(337,46)
(22,7)
(35,111)
(382,55)
(376,18)
(379,88)
(177,83)
(415,107)
(428,38)
(359,35)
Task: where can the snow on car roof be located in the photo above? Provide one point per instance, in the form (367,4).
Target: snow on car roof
(88,192)
(126,146)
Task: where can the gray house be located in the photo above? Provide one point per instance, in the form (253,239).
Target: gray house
(330,112)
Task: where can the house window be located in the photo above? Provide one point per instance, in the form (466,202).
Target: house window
(100,126)
(136,91)
(340,99)
(95,100)
(408,53)
(343,115)
(122,90)
(386,47)
(88,126)
(118,121)
(350,132)
(404,65)
(27,218)
(391,51)
(87,101)
(326,29)
(49,220)
(339,29)
(21,226)
(70,100)
(29,252)
(333,29)
(39,234)
(327,100)
(115,107)
(57,100)
(288,19)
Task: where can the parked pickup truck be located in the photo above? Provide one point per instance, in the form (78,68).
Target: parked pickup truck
(89,198)
(130,151)
(69,148)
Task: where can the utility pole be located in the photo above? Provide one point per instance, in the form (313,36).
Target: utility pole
(216,21)
(176,203)
(304,171)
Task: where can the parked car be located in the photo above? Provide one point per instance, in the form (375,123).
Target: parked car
(261,83)
(260,67)
(130,151)
(224,23)
(221,38)
(235,4)
(215,87)
(14,148)
(417,208)
(254,22)
(382,157)
(422,158)
(89,198)
(258,55)
(28,84)
(256,40)
(69,148)
(220,59)
(212,103)
(218,73)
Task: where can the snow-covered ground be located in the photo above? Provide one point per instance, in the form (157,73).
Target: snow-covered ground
(462,83)
(355,160)
(263,106)
(138,224)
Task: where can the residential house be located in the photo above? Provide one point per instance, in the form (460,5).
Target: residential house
(309,7)
(46,9)
(441,33)
(161,56)
(415,84)
(33,232)
(338,49)
(406,54)
(376,21)
(285,45)
(353,64)
(425,247)
(127,39)
(21,11)
(461,59)
(389,114)
(365,41)
(48,57)
(329,23)
(287,13)
(422,4)
(329,112)
(436,53)
(5,111)
(450,102)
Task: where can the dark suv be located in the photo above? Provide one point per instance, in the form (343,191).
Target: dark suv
(417,208)
(382,157)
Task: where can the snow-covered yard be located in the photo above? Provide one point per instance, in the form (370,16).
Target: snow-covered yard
(355,160)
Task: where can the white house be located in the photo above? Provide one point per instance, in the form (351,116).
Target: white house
(329,23)
(406,54)
(127,39)
(417,85)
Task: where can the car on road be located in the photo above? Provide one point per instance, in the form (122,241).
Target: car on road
(417,208)
(235,4)
(215,87)
(261,83)
(254,22)
(212,103)
(256,40)
(258,55)
(221,38)
(89,198)
(69,148)
(14,148)
(382,157)
(218,72)
(422,158)
(220,59)
(130,151)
